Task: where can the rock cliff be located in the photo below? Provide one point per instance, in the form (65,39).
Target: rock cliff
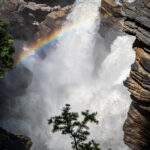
(110,27)
(9,141)
(137,124)
(33,19)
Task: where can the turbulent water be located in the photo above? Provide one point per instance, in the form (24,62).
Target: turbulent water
(79,71)
(120,1)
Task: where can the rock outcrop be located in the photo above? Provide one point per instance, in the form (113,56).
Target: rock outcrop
(110,27)
(110,8)
(9,141)
(23,17)
(53,21)
(33,19)
(137,124)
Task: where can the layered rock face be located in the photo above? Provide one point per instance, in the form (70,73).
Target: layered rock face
(9,141)
(137,125)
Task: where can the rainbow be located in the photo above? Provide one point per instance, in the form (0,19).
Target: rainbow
(53,38)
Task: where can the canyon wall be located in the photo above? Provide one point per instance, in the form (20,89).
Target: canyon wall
(29,20)
(137,23)
(110,27)
(137,125)
(33,19)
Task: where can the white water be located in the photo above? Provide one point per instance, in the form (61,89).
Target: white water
(74,73)
(129,1)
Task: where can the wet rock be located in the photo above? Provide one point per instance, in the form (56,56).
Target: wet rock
(110,26)
(110,8)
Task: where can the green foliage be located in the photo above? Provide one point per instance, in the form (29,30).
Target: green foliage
(125,4)
(6,49)
(3,138)
(68,123)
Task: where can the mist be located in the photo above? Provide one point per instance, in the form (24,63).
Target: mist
(78,70)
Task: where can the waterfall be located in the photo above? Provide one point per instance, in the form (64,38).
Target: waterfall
(79,71)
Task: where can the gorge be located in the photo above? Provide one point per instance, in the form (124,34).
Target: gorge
(137,126)
(85,67)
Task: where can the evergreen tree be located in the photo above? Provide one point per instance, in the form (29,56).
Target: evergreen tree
(6,49)
(68,123)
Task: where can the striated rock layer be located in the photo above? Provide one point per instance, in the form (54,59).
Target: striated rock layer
(137,125)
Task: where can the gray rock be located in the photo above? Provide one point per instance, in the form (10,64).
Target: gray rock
(138,20)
